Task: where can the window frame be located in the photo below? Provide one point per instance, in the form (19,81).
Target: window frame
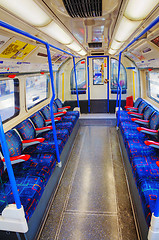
(148,85)
(124,90)
(48,80)
(72,78)
(18,112)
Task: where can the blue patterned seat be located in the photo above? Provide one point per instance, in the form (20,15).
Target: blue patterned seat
(61,125)
(39,122)
(60,105)
(137,147)
(148,191)
(30,190)
(145,167)
(27,131)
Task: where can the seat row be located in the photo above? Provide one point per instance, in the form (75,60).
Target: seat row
(32,152)
(139,127)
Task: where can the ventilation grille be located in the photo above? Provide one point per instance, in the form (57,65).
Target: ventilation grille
(97,53)
(83,8)
(95,45)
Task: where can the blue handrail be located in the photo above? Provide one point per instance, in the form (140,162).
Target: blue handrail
(74,66)
(118,104)
(9,166)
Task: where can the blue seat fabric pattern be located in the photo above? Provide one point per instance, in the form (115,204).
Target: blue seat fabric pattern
(142,158)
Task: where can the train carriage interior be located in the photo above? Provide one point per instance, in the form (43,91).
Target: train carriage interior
(79,119)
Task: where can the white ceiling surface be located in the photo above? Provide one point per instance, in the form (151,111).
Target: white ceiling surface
(85,30)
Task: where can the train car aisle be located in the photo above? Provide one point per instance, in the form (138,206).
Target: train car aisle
(92,201)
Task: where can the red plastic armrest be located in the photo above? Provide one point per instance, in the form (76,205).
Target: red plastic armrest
(157,163)
(47,120)
(147,131)
(140,120)
(152,143)
(59,113)
(44,128)
(66,107)
(40,140)
(133,113)
(56,119)
(23,157)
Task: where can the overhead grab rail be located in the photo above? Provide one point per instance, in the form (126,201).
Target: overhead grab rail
(153,233)
(17,208)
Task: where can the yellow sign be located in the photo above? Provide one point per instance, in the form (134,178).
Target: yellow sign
(17,50)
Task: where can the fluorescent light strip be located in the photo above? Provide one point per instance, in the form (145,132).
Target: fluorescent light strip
(82,52)
(116,45)
(27,10)
(125,29)
(112,51)
(75,47)
(56,32)
(139,9)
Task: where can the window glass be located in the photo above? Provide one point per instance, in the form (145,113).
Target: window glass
(9,99)
(36,90)
(153,84)
(98,71)
(114,76)
(81,76)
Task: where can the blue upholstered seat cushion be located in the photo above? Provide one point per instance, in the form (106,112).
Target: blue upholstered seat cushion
(65,125)
(62,134)
(73,113)
(45,147)
(69,118)
(137,147)
(128,134)
(1,167)
(58,103)
(148,190)
(14,143)
(38,120)
(30,190)
(144,167)
(137,102)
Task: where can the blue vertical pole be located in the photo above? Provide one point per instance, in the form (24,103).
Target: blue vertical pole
(156,212)
(74,66)
(119,88)
(51,104)
(88,85)
(9,166)
(108,84)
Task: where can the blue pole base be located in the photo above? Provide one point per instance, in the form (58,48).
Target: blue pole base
(59,164)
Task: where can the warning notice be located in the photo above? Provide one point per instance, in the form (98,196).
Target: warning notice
(17,50)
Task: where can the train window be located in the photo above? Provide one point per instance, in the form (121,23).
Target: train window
(36,90)
(9,98)
(98,71)
(81,78)
(114,76)
(153,84)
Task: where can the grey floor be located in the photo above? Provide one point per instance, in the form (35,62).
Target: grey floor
(92,201)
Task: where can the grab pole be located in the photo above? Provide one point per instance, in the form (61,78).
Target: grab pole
(51,105)
(74,66)
(9,166)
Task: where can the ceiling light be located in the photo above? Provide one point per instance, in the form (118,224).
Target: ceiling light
(82,52)
(56,32)
(139,9)
(27,10)
(116,45)
(75,47)
(125,29)
(112,51)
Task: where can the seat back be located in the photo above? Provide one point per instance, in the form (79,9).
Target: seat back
(137,102)
(154,121)
(142,106)
(55,109)
(148,112)
(14,143)
(46,112)
(26,130)
(38,120)
(1,167)
(58,103)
